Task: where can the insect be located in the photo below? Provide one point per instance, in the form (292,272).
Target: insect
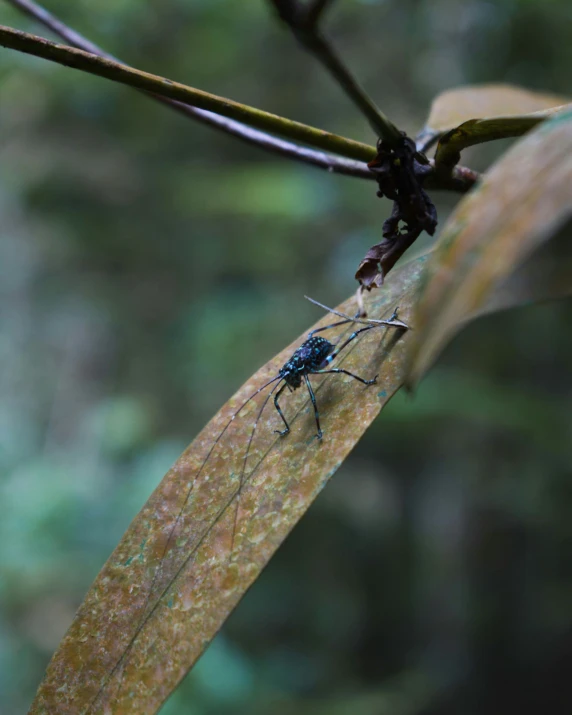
(187,530)
(314,357)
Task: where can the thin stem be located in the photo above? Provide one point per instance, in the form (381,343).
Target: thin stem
(379,122)
(461,179)
(104,67)
(254,137)
(316,9)
(304,25)
(479,131)
(41,15)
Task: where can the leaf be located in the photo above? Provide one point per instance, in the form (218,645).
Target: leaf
(461,104)
(152,611)
(158,601)
(545,275)
(519,205)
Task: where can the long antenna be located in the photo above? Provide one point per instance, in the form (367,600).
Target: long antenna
(393,321)
(246,455)
(159,571)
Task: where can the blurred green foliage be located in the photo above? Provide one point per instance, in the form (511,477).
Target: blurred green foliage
(149,265)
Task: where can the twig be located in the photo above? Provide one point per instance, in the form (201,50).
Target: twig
(254,137)
(426,138)
(479,131)
(303,22)
(401,170)
(461,179)
(316,8)
(103,67)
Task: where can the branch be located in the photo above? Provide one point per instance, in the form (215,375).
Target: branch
(479,131)
(253,137)
(315,10)
(104,67)
(303,22)
(461,179)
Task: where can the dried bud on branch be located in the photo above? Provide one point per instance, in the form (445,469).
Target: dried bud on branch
(400,172)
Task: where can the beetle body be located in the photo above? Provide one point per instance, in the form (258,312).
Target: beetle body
(311,356)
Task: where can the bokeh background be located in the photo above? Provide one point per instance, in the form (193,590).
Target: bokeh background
(149,265)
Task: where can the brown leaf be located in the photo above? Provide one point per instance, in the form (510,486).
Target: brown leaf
(173,579)
(545,275)
(381,258)
(369,273)
(519,205)
(152,611)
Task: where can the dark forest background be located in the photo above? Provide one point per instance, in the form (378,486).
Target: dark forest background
(149,265)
